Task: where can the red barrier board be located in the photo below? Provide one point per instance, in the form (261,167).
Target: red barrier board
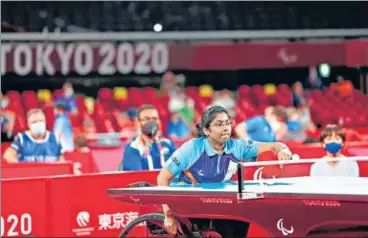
(27,170)
(74,196)
(83,161)
(144,58)
(79,205)
(25,207)
(68,205)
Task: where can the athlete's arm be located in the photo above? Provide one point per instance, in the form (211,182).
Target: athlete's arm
(164,179)
(248,150)
(178,162)
(275,147)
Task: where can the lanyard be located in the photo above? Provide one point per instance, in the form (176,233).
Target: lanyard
(147,152)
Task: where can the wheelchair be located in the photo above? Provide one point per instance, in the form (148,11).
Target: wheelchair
(154,224)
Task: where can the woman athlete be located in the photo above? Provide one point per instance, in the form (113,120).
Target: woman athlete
(210,158)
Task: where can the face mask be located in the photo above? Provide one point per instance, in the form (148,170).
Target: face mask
(150,129)
(4,104)
(38,128)
(333,147)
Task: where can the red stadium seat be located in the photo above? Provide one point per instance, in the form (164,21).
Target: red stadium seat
(105,94)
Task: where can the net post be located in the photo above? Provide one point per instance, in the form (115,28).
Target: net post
(240,180)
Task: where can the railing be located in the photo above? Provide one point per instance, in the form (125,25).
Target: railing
(187,35)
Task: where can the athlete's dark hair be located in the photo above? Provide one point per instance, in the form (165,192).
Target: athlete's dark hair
(207,117)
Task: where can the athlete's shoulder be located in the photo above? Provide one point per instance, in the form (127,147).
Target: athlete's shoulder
(194,146)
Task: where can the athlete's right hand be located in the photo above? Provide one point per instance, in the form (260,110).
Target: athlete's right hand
(172,225)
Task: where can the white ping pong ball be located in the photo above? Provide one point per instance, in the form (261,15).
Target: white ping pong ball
(157,27)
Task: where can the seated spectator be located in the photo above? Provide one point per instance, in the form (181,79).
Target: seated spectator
(268,128)
(313,81)
(344,87)
(36,144)
(178,127)
(127,123)
(89,127)
(7,117)
(63,128)
(148,150)
(188,112)
(298,94)
(169,84)
(68,99)
(226,100)
(332,139)
(81,143)
(299,122)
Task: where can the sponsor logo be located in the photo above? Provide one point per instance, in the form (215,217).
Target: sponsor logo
(200,172)
(82,221)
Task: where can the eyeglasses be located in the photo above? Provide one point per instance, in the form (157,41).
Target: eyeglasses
(220,124)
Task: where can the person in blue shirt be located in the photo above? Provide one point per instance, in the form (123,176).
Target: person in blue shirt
(36,144)
(177,128)
(63,128)
(212,158)
(148,150)
(68,99)
(268,128)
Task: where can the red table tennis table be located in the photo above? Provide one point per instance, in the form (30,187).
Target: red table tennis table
(292,207)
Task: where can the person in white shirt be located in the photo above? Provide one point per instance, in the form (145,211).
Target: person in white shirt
(332,139)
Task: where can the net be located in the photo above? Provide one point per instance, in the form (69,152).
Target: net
(320,167)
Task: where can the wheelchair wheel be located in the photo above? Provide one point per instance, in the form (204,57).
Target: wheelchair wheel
(154,223)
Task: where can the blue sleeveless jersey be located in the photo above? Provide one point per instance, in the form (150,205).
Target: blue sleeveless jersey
(196,161)
(32,150)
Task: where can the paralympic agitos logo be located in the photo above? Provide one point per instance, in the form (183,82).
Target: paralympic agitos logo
(284,231)
(258,174)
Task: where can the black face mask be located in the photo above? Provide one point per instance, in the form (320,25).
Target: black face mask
(150,129)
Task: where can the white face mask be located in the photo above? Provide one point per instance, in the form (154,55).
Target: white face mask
(38,128)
